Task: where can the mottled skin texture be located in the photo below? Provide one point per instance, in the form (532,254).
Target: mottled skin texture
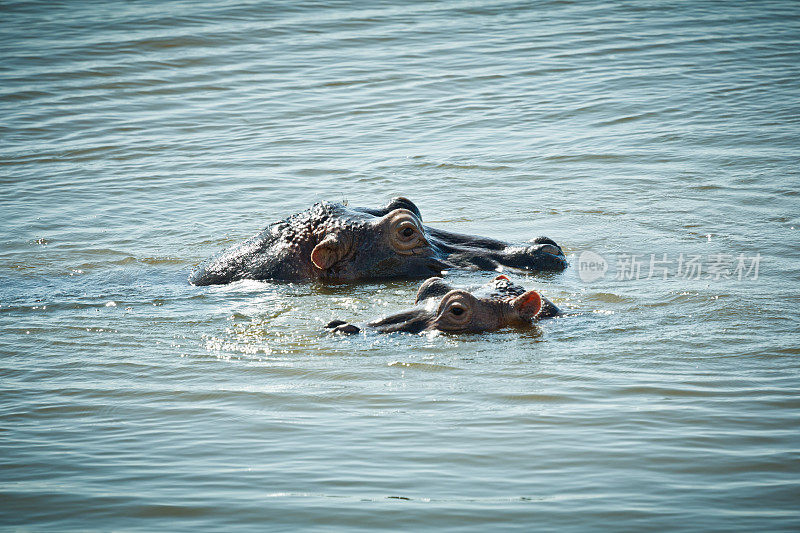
(334,242)
(441,307)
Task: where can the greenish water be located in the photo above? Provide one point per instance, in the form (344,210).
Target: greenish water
(137,139)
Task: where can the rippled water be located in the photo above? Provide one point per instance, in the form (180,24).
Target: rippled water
(137,139)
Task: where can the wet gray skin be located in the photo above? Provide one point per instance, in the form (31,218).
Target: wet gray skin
(440,307)
(334,242)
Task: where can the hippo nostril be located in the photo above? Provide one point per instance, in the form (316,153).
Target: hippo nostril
(347,329)
(544,240)
(550,249)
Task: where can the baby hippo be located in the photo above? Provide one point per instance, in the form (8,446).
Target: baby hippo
(440,307)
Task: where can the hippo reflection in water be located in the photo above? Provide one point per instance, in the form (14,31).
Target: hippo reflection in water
(440,307)
(336,242)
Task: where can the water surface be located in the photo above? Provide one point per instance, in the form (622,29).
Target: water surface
(138,139)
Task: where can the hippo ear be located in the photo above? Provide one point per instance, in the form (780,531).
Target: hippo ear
(527,304)
(327,253)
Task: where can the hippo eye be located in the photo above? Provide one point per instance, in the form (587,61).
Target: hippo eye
(406,230)
(456,311)
(406,235)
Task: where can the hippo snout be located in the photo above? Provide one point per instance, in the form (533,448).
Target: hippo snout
(548,245)
(340,326)
(542,254)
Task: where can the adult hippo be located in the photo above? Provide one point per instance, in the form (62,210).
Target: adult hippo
(440,307)
(335,242)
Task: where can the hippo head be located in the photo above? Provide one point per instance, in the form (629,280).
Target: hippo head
(440,307)
(367,244)
(337,242)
